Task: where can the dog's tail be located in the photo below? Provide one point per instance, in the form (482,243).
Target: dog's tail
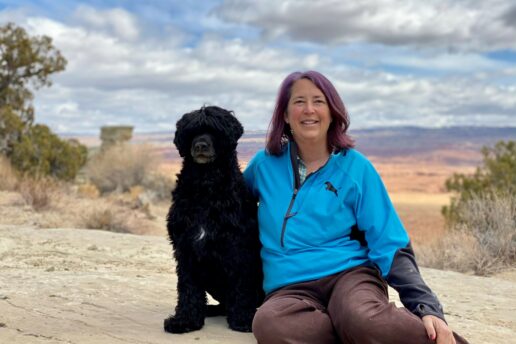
(215,310)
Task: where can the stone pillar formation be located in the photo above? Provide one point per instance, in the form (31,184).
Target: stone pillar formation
(114,135)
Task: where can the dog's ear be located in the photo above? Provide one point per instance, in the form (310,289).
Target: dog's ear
(179,137)
(234,129)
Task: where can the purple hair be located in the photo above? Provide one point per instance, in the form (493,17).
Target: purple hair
(279,130)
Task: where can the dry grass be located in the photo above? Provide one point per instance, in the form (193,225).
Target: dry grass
(68,209)
(35,192)
(484,245)
(492,222)
(88,190)
(453,251)
(8,177)
(121,167)
(45,204)
(421,214)
(38,192)
(158,186)
(105,219)
(170,169)
(423,222)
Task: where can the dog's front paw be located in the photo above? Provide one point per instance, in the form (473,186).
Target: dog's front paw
(241,327)
(241,324)
(175,324)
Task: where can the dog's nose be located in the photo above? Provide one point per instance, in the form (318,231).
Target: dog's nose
(200,146)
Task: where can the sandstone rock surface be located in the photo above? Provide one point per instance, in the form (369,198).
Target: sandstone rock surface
(86,286)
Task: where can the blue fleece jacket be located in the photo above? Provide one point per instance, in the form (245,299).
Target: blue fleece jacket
(309,231)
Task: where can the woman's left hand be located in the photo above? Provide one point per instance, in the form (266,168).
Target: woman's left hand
(438,330)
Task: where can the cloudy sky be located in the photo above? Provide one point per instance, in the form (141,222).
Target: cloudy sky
(144,63)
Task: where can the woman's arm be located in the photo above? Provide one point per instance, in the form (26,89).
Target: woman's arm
(389,245)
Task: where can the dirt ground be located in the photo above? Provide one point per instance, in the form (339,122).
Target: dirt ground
(89,286)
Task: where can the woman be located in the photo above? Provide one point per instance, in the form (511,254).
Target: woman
(331,237)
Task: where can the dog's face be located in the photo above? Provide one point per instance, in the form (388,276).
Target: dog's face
(207,133)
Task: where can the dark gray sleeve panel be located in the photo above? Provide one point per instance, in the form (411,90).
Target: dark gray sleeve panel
(406,279)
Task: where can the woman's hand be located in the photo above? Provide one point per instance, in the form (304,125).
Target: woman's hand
(438,330)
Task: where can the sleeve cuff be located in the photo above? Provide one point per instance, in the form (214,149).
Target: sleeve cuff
(422,310)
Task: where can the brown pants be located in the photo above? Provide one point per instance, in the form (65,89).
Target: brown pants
(350,307)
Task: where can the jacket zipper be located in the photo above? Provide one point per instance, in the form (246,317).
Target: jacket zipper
(288,215)
(297,186)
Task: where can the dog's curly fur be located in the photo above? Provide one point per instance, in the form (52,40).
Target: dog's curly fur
(212,225)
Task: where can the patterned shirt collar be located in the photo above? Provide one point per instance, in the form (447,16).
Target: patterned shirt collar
(302,170)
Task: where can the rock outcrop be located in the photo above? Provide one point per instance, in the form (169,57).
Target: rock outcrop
(113,135)
(87,286)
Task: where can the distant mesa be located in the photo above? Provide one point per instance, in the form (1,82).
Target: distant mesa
(114,135)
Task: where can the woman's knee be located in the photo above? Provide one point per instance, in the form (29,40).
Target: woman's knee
(361,318)
(272,319)
(292,320)
(262,322)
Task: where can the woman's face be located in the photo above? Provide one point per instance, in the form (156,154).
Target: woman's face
(308,113)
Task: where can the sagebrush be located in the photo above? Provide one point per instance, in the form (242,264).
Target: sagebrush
(105,219)
(37,192)
(8,176)
(42,153)
(120,167)
(484,242)
(496,174)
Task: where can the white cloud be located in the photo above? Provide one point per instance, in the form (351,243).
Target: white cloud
(469,25)
(13,15)
(113,81)
(116,21)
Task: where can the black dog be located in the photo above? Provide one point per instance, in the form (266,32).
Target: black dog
(212,226)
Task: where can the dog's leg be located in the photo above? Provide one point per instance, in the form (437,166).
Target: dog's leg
(191,305)
(241,308)
(244,294)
